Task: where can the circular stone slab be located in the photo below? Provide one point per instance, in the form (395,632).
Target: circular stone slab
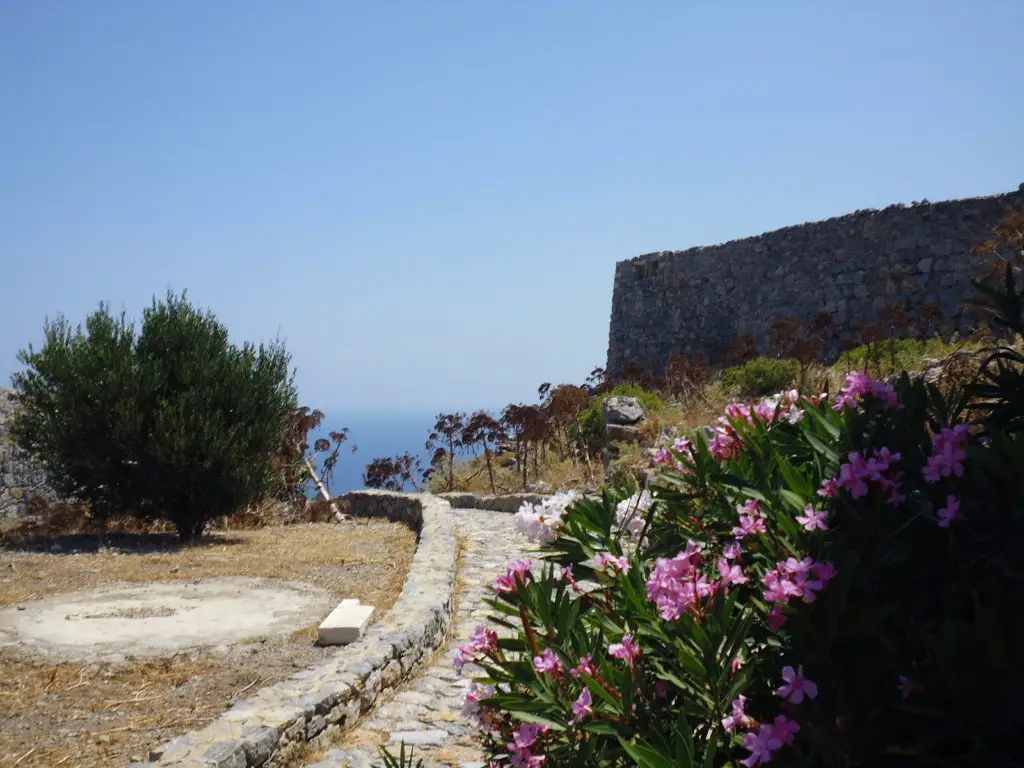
(161,618)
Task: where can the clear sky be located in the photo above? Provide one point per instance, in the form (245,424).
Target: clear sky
(426,198)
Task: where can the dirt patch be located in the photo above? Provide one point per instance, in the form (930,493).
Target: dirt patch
(160,618)
(108,714)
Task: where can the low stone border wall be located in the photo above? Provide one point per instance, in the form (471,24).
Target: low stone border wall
(509,502)
(315,705)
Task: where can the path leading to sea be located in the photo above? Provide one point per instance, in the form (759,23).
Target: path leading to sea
(426,713)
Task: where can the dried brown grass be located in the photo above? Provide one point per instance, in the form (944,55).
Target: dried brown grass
(94,715)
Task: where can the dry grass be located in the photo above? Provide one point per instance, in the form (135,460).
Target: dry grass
(95,715)
(560,475)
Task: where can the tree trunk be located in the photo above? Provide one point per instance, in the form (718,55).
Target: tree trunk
(320,486)
(490,469)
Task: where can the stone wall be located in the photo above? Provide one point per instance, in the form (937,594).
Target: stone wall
(21,476)
(703,299)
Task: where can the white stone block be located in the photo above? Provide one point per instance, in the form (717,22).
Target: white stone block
(345,624)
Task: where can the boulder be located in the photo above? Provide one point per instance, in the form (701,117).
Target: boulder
(621,433)
(622,410)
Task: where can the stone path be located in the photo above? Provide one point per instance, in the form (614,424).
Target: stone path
(426,714)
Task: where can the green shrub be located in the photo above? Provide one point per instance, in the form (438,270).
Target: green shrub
(761,376)
(893,356)
(174,422)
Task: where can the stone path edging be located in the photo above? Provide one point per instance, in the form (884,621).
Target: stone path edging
(315,705)
(507,502)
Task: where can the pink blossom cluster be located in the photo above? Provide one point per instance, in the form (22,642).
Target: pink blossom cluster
(585,667)
(520,570)
(947,454)
(793,578)
(582,708)
(523,746)
(682,446)
(726,443)
(750,519)
(606,561)
(763,739)
(483,642)
(625,650)
(549,663)
(474,695)
(860,473)
(858,386)
(676,584)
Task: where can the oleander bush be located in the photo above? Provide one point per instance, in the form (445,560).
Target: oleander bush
(820,582)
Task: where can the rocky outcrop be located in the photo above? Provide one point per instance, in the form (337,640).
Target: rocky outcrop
(622,419)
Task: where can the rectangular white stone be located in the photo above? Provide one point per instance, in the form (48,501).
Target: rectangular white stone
(344,624)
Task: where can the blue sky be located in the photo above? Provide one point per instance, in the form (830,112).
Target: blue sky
(426,199)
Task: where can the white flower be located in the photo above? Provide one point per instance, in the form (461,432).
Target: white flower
(541,522)
(631,512)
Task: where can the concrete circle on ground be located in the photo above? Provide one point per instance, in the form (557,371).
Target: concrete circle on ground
(161,618)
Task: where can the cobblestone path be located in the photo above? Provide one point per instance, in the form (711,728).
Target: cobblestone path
(426,713)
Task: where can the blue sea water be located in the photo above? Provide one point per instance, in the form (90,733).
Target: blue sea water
(376,435)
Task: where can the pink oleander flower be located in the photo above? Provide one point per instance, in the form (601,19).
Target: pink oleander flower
(732,550)
(949,512)
(483,642)
(776,618)
(605,561)
(829,487)
(859,386)
(581,708)
(521,748)
(476,693)
(730,573)
(738,718)
(548,663)
(948,454)
(735,664)
(684,446)
(627,650)
(813,519)
(675,585)
(761,744)
(796,578)
(785,729)
(860,473)
(796,686)
(751,521)
(520,570)
(853,475)
(585,667)
(565,574)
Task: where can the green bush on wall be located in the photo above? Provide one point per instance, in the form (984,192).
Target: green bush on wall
(172,422)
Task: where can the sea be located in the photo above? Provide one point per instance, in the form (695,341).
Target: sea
(374,435)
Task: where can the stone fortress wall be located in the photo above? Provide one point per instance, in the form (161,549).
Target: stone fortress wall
(703,299)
